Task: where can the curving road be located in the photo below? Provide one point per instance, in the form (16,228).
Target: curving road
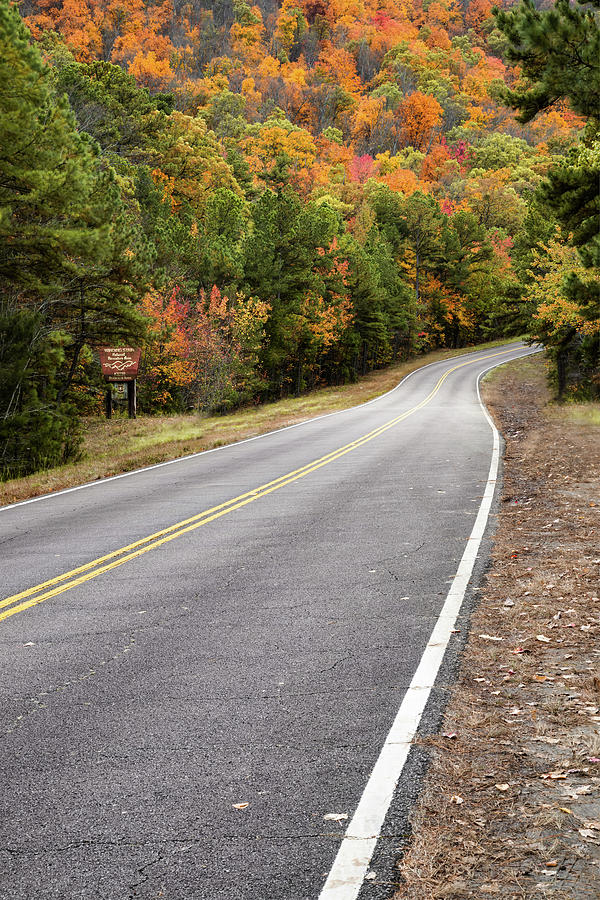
(239,627)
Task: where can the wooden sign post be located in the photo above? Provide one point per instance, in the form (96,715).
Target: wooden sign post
(121,364)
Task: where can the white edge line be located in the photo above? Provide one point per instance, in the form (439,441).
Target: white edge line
(170,462)
(350,866)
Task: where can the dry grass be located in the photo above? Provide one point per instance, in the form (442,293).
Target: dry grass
(525,762)
(120,445)
(577,414)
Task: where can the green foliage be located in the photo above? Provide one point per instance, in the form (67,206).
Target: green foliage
(498,151)
(392,93)
(409,158)
(573,193)
(537,228)
(36,431)
(224,114)
(46,169)
(70,250)
(108,105)
(558,50)
(467,250)
(371,345)
(280,267)
(220,239)
(333,134)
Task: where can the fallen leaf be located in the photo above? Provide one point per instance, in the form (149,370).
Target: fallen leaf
(588,834)
(335,817)
(456,799)
(503,787)
(371,876)
(554,776)
(452,889)
(542,637)
(551,863)
(490,637)
(240,805)
(449,734)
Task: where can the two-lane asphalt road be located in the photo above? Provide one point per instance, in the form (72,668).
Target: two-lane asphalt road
(201,661)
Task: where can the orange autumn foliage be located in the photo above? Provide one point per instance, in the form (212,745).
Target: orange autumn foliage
(478,12)
(435,162)
(420,114)
(404,181)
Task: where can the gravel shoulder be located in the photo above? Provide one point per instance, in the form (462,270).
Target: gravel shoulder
(511,803)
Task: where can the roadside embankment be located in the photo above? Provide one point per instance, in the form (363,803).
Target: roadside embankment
(511,804)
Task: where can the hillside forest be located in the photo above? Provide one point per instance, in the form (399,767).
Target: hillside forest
(267,198)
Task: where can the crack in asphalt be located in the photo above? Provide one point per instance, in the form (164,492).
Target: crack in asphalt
(145,876)
(343,659)
(166,842)
(13,537)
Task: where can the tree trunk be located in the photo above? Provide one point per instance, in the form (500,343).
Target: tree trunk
(417,265)
(562,358)
(77,348)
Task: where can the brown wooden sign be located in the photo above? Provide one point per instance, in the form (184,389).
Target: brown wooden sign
(119,363)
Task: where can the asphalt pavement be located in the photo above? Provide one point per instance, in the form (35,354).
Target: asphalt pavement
(178,718)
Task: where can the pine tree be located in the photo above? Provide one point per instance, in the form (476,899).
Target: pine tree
(70,252)
(35,431)
(559,53)
(44,175)
(558,50)
(109,106)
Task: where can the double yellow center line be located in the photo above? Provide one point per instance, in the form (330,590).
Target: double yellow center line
(61,583)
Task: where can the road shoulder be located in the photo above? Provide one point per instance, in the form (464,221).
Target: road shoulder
(511,803)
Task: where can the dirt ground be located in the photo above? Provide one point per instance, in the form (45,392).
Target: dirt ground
(511,806)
